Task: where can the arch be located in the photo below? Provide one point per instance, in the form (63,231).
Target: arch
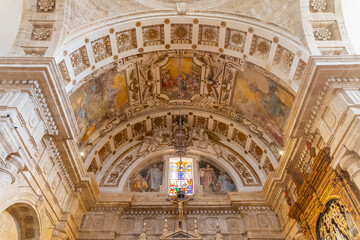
(33,203)
(99,143)
(192,154)
(280,44)
(228,165)
(26,219)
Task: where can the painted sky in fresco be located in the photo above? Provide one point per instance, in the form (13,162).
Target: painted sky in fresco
(98,100)
(263,101)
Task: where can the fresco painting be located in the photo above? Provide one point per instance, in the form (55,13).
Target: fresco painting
(214,179)
(148,179)
(184,75)
(264,101)
(97,100)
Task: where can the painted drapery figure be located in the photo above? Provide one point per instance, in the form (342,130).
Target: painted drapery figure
(180,74)
(148,179)
(215,180)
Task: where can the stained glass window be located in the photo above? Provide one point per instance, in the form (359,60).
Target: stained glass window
(181,175)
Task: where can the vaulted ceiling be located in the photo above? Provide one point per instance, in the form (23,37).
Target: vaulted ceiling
(240,65)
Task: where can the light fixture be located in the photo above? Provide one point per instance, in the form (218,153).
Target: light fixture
(281,152)
(82,153)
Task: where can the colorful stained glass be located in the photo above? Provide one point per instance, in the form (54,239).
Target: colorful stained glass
(181,175)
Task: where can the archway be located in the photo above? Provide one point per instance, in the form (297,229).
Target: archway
(19,221)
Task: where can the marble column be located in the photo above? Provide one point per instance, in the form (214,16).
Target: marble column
(350,162)
(10,168)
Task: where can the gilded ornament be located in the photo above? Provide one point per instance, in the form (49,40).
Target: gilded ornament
(263,47)
(323,34)
(237,38)
(151,34)
(318,5)
(210,34)
(46,5)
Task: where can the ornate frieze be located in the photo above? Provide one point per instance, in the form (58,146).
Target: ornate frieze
(60,163)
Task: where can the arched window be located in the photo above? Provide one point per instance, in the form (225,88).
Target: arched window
(181,175)
(335,223)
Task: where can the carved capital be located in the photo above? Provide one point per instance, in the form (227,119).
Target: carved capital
(350,162)
(59,235)
(11,167)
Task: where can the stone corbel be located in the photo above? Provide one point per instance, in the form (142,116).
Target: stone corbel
(350,162)
(10,168)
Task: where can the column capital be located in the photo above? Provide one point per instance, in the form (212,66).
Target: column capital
(349,158)
(11,167)
(350,162)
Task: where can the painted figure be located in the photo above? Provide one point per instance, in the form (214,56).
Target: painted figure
(154,178)
(167,81)
(207,177)
(215,180)
(148,179)
(138,183)
(225,182)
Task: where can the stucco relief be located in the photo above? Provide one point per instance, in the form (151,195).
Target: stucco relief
(149,81)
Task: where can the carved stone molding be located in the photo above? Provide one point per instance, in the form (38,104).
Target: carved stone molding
(60,163)
(35,90)
(11,167)
(350,162)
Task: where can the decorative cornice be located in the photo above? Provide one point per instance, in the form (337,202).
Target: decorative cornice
(52,128)
(60,163)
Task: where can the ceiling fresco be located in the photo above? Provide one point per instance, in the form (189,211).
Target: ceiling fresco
(209,81)
(263,100)
(101,98)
